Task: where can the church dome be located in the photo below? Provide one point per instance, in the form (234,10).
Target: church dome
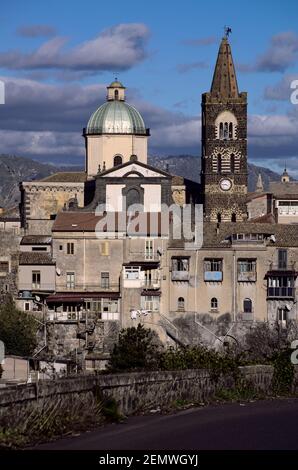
(116,116)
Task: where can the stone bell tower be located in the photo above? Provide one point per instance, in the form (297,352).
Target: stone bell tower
(224,143)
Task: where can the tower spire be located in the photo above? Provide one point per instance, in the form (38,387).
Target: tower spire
(224,81)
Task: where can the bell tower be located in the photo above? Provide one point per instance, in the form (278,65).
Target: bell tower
(224,142)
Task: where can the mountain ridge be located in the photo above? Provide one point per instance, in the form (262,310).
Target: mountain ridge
(14,169)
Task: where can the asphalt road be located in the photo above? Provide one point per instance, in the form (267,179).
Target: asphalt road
(267,425)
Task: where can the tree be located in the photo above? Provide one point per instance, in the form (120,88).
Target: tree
(17,330)
(137,349)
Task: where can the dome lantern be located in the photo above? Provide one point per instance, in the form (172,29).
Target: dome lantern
(116,91)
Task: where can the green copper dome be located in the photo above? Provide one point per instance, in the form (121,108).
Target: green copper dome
(116,117)
(116,84)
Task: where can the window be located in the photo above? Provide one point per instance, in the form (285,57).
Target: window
(233,218)
(4,266)
(70,248)
(232,163)
(132,197)
(282,259)
(116,94)
(149,249)
(104,248)
(219,163)
(247,306)
(214,303)
(35,279)
(213,265)
(132,272)
(221,131)
(117,160)
(226,130)
(246,265)
(70,280)
(230,130)
(282,315)
(219,217)
(150,303)
(181,303)
(281,286)
(105,280)
(180,264)
(27,306)
(60,247)
(39,248)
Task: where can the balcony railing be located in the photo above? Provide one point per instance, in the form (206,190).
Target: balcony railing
(180,276)
(287,266)
(247,276)
(281,292)
(81,316)
(151,284)
(96,287)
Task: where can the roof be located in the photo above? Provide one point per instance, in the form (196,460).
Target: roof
(136,163)
(67,177)
(288,189)
(224,81)
(147,223)
(286,235)
(80,296)
(116,117)
(116,84)
(36,240)
(35,258)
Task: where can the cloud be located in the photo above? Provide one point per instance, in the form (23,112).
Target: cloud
(282,90)
(281,55)
(207,41)
(184,68)
(45,120)
(36,31)
(119,47)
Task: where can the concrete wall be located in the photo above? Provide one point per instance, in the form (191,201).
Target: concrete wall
(137,391)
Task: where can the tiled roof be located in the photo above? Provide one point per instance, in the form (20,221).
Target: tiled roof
(286,235)
(36,240)
(112,222)
(66,177)
(35,258)
(283,189)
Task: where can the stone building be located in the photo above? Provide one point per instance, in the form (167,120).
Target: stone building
(101,249)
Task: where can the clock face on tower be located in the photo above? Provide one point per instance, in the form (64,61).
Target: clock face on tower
(225,184)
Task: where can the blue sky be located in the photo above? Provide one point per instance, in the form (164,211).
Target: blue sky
(57,57)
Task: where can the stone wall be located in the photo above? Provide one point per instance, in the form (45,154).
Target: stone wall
(135,391)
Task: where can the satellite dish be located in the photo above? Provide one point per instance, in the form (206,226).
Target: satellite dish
(58,271)
(37,298)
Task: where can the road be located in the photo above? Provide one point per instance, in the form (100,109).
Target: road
(268,424)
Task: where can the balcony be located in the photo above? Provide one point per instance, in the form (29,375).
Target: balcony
(65,316)
(281,292)
(289,266)
(96,287)
(213,276)
(180,276)
(247,276)
(151,284)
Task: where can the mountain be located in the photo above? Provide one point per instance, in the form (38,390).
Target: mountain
(14,169)
(190,167)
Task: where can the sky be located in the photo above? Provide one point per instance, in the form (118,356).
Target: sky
(57,57)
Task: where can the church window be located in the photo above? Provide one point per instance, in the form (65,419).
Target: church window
(226,130)
(221,130)
(232,165)
(230,130)
(219,163)
(117,160)
(133,197)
